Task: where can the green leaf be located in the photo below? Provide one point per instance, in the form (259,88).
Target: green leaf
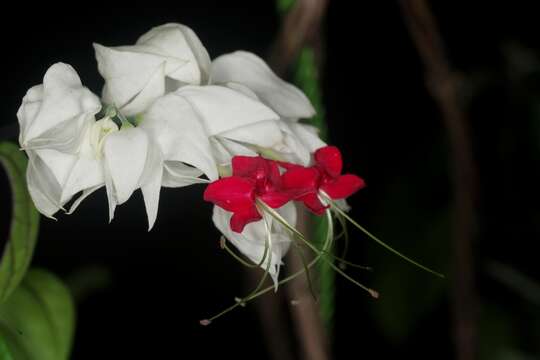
(24,226)
(38,320)
(5,354)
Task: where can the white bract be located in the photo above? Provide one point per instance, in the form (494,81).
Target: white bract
(53,119)
(247,73)
(194,122)
(192,116)
(161,60)
(99,153)
(251,242)
(56,113)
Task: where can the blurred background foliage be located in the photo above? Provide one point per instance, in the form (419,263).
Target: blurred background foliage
(148,290)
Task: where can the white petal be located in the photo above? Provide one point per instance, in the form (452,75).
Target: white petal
(177,174)
(31,103)
(251,242)
(126,73)
(308,135)
(150,193)
(242,89)
(180,133)
(59,164)
(57,114)
(43,186)
(87,172)
(109,188)
(223,109)
(151,91)
(81,197)
(300,142)
(125,153)
(180,42)
(250,70)
(266,134)
(151,182)
(224,150)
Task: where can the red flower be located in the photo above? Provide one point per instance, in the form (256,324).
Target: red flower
(252,178)
(306,183)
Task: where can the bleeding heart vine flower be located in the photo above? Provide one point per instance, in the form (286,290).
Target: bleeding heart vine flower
(323,179)
(53,119)
(252,240)
(198,122)
(55,114)
(100,153)
(249,74)
(253,179)
(162,60)
(172,116)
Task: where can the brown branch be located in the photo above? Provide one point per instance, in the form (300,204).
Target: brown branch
(273,320)
(301,26)
(304,310)
(443,85)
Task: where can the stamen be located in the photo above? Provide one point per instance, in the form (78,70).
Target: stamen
(300,236)
(256,292)
(306,269)
(224,246)
(287,279)
(377,240)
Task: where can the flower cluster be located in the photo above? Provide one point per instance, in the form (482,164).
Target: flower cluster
(257,183)
(258,179)
(167,116)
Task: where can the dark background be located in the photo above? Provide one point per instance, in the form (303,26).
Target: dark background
(153,288)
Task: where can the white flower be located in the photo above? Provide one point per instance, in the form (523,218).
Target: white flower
(251,242)
(247,73)
(56,113)
(164,58)
(193,122)
(53,119)
(61,112)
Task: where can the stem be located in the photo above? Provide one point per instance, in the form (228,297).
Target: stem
(443,85)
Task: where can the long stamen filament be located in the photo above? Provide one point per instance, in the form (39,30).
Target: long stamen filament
(223,245)
(285,280)
(343,224)
(267,253)
(377,240)
(300,236)
(300,253)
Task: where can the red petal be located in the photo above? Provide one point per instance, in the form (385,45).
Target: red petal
(246,166)
(344,186)
(275,199)
(300,181)
(313,203)
(231,193)
(240,219)
(329,158)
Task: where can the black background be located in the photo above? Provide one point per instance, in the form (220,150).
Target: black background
(160,284)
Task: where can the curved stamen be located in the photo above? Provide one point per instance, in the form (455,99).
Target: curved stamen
(242,301)
(373,237)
